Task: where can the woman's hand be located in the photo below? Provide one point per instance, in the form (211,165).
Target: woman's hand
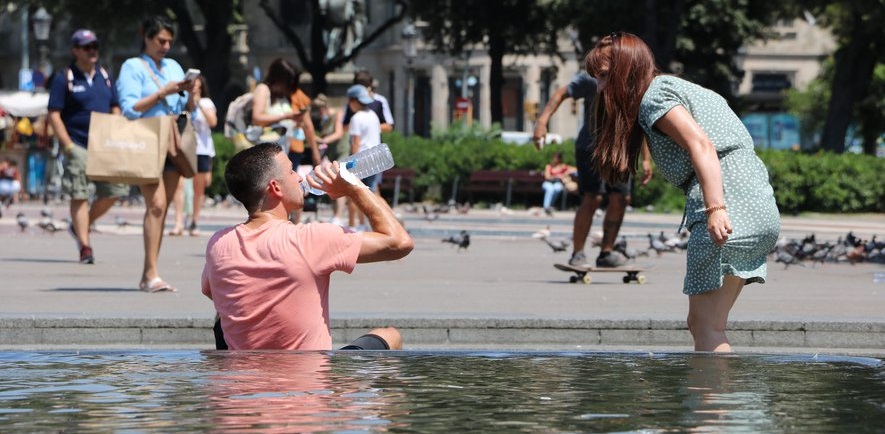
(719,226)
(169,88)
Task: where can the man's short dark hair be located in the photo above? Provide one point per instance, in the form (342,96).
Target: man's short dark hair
(363,77)
(249,171)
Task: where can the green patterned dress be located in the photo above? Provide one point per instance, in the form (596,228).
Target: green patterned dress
(749,197)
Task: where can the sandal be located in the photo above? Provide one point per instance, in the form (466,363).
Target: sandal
(176,232)
(156,285)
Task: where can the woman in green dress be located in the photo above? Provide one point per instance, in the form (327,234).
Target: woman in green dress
(699,145)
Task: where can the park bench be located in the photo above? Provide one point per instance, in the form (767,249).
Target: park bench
(506,182)
(397,180)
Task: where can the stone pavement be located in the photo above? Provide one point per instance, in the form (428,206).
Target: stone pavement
(502,293)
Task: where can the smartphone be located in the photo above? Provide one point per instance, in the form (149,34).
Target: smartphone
(191,74)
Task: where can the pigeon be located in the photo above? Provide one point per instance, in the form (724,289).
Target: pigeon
(787,259)
(628,252)
(121,222)
(429,215)
(22,221)
(465,241)
(462,241)
(558,245)
(656,245)
(46,213)
(543,233)
(47,225)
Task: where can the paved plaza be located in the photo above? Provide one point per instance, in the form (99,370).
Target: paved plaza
(500,293)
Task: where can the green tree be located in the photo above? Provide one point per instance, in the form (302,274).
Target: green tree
(857,25)
(698,39)
(119,20)
(810,105)
(316,60)
(500,26)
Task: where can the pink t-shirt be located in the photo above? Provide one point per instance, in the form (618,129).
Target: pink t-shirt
(271,285)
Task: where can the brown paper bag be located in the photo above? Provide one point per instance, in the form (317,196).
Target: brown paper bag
(183,145)
(126,151)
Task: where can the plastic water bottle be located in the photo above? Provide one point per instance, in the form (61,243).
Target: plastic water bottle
(362,165)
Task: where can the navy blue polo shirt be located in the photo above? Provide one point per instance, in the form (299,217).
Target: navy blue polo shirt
(78,99)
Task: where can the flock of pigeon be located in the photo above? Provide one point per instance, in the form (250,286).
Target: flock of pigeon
(658,244)
(789,252)
(48,224)
(849,249)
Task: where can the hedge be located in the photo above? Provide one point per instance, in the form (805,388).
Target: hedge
(822,182)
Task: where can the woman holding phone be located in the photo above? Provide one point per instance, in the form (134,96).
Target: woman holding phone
(154,85)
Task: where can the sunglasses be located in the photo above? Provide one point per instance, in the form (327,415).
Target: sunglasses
(92,46)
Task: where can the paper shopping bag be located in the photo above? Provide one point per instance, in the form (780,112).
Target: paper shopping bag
(126,151)
(183,145)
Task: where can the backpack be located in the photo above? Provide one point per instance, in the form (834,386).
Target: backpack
(239,115)
(69,75)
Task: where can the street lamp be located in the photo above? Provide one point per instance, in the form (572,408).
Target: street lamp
(410,51)
(42,24)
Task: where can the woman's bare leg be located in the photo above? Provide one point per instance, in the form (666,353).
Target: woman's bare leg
(708,315)
(156,198)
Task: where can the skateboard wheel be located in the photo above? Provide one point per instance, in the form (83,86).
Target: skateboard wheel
(586,279)
(573,279)
(640,279)
(626,279)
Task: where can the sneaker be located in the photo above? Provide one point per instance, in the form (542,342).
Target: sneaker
(86,255)
(610,260)
(578,259)
(548,211)
(338,222)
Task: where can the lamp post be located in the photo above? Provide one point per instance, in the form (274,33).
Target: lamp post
(42,24)
(410,51)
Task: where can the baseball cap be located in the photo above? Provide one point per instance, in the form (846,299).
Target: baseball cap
(360,93)
(83,37)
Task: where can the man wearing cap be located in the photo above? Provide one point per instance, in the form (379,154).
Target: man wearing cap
(82,88)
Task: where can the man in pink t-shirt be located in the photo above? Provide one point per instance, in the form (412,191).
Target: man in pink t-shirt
(269,278)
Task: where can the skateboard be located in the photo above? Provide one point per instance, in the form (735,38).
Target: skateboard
(582,274)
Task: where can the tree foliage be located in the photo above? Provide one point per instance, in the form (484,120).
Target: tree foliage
(314,60)
(857,25)
(698,39)
(117,22)
(500,27)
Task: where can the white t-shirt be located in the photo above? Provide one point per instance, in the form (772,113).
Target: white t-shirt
(385,108)
(366,125)
(205,145)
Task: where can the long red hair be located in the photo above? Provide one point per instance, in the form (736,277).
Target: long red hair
(630,67)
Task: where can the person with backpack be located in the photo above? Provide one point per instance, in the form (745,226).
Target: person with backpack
(84,87)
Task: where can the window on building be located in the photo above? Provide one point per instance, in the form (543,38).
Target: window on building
(771,81)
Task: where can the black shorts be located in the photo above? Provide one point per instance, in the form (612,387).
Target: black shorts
(365,342)
(368,342)
(204,164)
(589,180)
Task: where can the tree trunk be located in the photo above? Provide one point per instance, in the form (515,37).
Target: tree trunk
(496,78)
(854,72)
(213,60)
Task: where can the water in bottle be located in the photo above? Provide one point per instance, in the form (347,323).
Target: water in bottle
(362,165)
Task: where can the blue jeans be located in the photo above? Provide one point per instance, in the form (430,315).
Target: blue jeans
(552,189)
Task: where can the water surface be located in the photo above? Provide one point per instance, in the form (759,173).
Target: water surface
(437,392)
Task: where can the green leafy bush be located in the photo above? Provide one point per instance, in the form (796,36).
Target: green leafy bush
(822,182)
(224,150)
